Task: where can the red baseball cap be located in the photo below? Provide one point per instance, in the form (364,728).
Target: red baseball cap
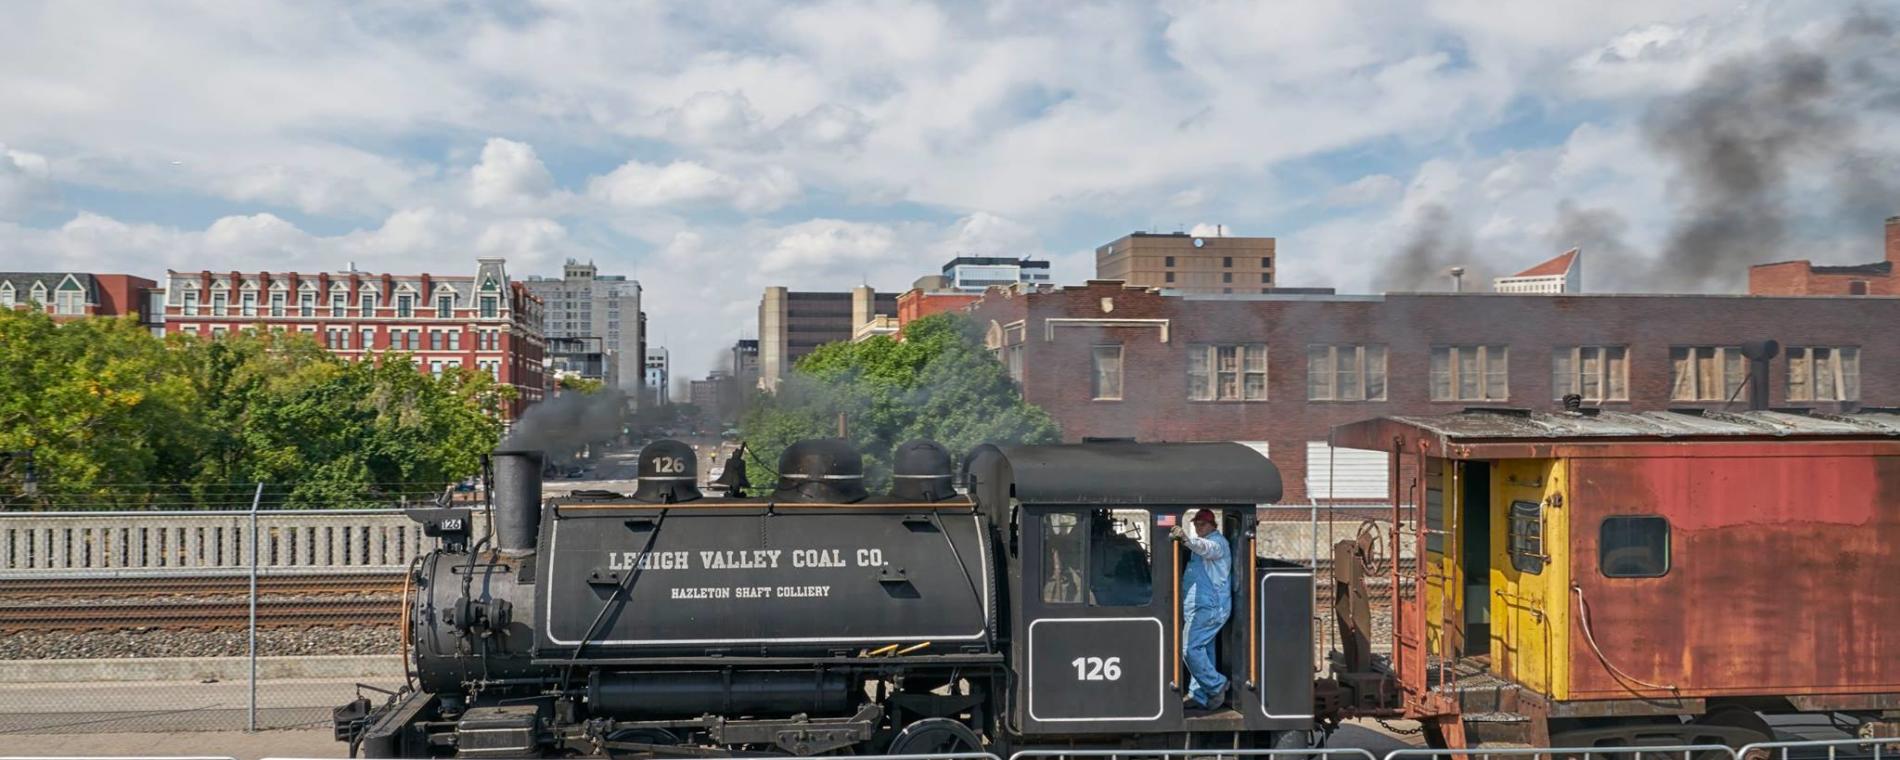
(1205,515)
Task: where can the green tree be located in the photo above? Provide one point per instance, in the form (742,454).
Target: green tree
(117,418)
(580,384)
(937,383)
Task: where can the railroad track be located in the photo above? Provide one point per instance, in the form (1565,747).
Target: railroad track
(202,585)
(271,613)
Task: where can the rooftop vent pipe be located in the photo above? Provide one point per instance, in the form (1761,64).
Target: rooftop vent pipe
(1759,352)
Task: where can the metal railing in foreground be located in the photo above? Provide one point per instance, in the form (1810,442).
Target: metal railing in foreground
(1831,749)
(1345,753)
(1673,752)
(933,756)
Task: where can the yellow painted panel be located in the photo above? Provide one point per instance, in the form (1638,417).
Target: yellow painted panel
(1443,569)
(1530,606)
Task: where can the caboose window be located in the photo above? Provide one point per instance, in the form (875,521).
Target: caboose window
(1527,537)
(1633,546)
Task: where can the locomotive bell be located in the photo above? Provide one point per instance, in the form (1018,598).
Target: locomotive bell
(820,470)
(921,472)
(668,473)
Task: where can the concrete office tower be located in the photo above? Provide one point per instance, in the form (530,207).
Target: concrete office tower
(586,304)
(793,323)
(658,375)
(1189,264)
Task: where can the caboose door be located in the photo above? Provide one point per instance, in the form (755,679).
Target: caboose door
(1092,635)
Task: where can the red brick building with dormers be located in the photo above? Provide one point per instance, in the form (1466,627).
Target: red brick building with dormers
(1280,370)
(72,295)
(1803,278)
(484,322)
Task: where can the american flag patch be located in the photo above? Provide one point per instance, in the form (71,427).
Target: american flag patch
(1164,521)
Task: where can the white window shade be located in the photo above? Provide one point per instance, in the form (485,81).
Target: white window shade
(1345,473)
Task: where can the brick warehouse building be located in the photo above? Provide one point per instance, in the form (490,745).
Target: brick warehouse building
(483,321)
(1803,278)
(1280,370)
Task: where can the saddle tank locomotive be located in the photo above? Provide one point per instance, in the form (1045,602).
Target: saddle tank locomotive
(818,619)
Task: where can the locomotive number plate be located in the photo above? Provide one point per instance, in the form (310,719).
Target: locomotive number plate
(1095,669)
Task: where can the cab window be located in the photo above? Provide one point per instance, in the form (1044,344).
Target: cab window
(1633,546)
(1527,537)
(1062,559)
(1101,557)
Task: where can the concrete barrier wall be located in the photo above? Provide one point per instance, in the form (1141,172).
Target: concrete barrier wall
(133,543)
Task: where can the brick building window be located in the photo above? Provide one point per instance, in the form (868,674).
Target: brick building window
(339,303)
(219,303)
(369,337)
(277,304)
(247,305)
(367,304)
(1227,372)
(445,306)
(1266,279)
(1107,385)
(69,302)
(1823,374)
(415,340)
(405,306)
(306,304)
(1227,261)
(1857,288)
(1169,276)
(490,307)
(190,301)
(1597,373)
(1706,373)
(1345,373)
(1266,261)
(1168,261)
(435,340)
(1470,373)
(1226,277)
(455,340)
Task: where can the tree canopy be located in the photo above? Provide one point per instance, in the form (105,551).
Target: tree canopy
(937,383)
(115,417)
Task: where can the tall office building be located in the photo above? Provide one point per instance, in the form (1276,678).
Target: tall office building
(657,377)
(586,304)
(1189,264)
(793,323)
(975,274)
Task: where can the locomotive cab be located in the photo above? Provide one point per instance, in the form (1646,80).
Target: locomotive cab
(1096,617)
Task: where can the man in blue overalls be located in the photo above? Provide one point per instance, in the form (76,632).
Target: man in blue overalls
(1205,604)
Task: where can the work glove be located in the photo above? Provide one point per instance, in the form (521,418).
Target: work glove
(1178,533)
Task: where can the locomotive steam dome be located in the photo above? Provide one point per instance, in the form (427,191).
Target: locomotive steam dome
(921,471)
(668,473)
(820,470)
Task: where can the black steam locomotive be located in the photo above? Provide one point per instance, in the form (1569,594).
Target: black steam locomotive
(1040,609)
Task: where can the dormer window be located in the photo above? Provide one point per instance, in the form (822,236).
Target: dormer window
(445,306)
(405,305)
(39,294)
(367,302)
(6,295)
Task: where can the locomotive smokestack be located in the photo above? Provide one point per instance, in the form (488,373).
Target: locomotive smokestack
(517,500)
(1759,352)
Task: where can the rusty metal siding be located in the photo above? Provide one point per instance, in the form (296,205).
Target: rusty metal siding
(1782,573)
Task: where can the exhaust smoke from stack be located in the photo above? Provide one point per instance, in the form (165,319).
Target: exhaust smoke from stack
(567,422)
(1770,154)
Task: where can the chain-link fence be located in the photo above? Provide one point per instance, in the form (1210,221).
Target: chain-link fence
(1307,534)
(240,616)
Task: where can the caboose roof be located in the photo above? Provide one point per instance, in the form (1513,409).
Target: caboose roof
(1480,432)
(1125,472)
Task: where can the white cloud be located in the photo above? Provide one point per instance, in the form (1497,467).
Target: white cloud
(25,182)
(1372,188)
(510,175)
(641,185)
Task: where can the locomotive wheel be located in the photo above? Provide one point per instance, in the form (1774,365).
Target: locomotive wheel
(933,736)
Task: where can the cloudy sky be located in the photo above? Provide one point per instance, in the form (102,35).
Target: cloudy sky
(710,148)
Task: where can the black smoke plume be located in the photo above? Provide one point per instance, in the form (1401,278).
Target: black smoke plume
(568,422)
(1439,242)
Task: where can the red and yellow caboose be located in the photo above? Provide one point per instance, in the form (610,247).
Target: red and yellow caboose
(1594,578)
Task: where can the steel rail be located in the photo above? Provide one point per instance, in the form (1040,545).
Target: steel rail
(199,614)
(235,585)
